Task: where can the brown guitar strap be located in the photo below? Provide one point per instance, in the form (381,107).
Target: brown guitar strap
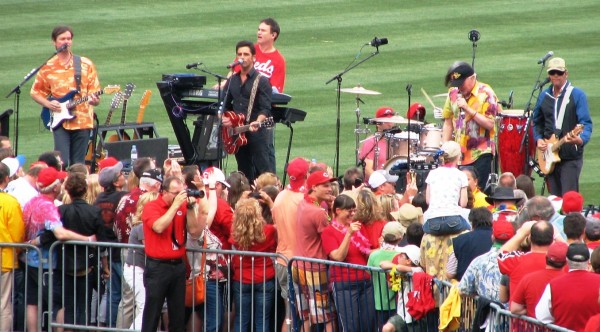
(252,97)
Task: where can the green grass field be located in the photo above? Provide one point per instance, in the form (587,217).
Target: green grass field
(138,41)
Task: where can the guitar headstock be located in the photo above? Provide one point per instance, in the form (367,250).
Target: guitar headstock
(116,101)
(577,130)
(110,89)
(268,122)
(145,98)
(128,90)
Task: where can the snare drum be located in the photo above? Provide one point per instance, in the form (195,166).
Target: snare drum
(402,144)
(431,138)
(510,135)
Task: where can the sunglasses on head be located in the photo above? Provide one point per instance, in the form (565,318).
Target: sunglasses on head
(556,72)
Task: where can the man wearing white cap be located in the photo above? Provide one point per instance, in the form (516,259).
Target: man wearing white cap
(559,109)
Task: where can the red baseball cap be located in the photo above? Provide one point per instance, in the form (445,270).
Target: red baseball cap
(317,178)
(557,252)
(48,176)
(385,112)
(107,162)
(503,230)
(414,110)
(297,170)
(572,201)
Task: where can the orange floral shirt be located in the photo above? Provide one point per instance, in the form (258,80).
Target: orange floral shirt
(473,139)
(56,80)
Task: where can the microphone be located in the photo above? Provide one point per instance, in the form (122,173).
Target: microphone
(193,65)
(546,57)
(474,35)
(376,42)
(62,48)
(510,99)
(235,63)
(462,111)
(546,81)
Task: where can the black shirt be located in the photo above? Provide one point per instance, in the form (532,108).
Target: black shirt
(239,94)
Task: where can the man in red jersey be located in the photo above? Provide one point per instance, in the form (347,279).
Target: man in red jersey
(165,222)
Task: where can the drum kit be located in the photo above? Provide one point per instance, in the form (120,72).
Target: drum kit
(414,146)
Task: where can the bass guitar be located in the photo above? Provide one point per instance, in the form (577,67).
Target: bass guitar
(52,120)
(549,158)
(234,137)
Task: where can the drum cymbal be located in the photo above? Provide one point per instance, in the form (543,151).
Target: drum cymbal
(359,90)
(396,119)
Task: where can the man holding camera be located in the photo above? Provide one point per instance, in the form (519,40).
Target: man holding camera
(165,221)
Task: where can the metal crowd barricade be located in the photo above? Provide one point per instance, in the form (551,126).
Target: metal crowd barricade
(468,305)
(506,321)
(326,292)
(254,297)
(14,316)
(75,284)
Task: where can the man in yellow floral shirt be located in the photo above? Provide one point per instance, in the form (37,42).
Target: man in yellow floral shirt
(469,118)
(56,79)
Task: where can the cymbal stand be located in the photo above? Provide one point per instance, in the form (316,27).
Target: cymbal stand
(338,78)
(359,131)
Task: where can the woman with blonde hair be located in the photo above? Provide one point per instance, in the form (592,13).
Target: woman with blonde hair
(369,213)
(254,278)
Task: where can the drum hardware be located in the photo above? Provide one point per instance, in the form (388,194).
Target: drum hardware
(396,119)
(358,90)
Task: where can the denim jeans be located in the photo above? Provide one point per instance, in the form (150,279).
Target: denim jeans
(253,305)
(214,305)
(72,144)
(114,293)
(355,303)
(446,225)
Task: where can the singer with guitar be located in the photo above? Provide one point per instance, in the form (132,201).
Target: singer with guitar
(469,114)
(57,79)
(249,96)
(560,111)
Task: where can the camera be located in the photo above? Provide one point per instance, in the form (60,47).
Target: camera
(195,193)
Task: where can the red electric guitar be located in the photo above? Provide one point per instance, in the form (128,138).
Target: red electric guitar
(234,137)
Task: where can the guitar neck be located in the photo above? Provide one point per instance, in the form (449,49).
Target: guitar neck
(74,103)
(124,112)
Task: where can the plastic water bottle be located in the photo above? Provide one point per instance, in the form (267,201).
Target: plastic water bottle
(134,154)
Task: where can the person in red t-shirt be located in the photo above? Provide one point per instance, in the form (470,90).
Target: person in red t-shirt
(516,264)
(165,221)
(530,288)
(254,277)
(352,289)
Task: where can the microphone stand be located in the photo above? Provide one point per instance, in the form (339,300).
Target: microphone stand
(409,91)
(17,91)
(221,100)
(338,77)
(537,87)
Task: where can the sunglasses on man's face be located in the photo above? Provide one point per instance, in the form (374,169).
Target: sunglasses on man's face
(556,72)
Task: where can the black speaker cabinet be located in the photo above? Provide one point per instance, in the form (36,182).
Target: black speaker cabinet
(156,148)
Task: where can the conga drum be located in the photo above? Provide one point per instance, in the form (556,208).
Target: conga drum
(510,135)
